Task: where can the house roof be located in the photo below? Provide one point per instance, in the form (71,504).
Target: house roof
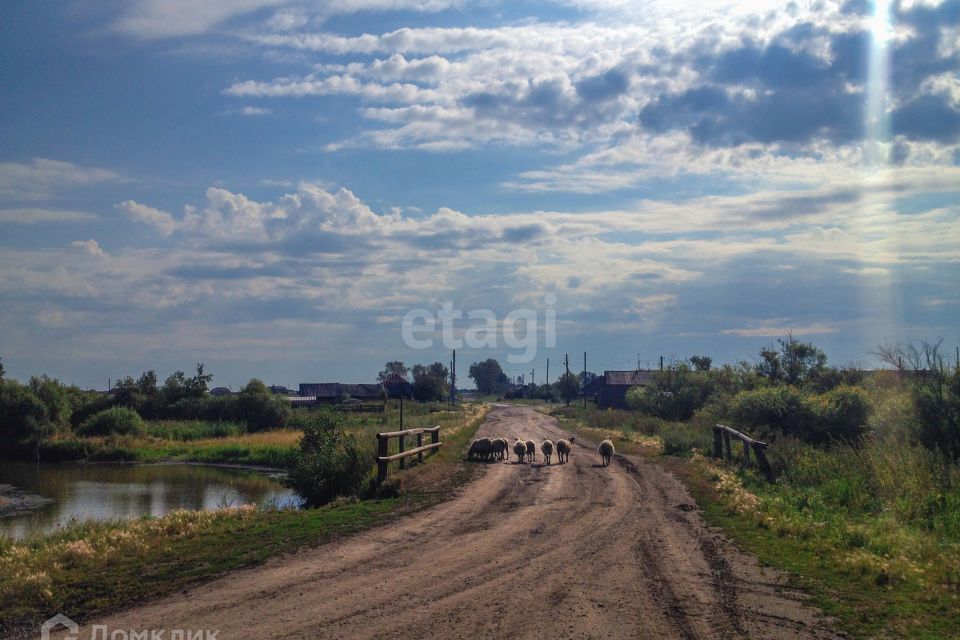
(337,390)
(631,378)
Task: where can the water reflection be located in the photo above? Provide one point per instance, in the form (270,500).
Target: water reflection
(111,491)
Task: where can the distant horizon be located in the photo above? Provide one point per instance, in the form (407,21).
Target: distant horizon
(556,367)
(274,187)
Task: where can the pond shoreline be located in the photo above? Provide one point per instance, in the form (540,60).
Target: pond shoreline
(15,501)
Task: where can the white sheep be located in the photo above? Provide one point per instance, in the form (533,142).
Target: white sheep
(606,451)
(531,450)
(563,451)
(547,447)
(520,449)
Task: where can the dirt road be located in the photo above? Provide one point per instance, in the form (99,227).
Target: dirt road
(527,551)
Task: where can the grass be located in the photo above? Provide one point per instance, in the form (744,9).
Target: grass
(269,448)
(226,443)
(871,531)
(89,568)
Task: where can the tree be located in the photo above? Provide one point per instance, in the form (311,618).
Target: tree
(53,394)
(259,409)
(23,416)
(2,370)
(197,386)
(391,369)
(175,387)
(674,393)
(329,462)
(488,376)
(568,384)
(430,382)
(794,362)
(936,393)
(701,363)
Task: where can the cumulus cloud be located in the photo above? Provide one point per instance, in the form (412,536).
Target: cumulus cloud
(162,221)
(90,246)
(747,82)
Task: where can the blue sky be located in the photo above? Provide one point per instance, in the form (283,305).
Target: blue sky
(270,186)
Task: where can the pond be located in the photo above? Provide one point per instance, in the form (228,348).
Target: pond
(55,493)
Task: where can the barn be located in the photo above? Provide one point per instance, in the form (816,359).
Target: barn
(615,384)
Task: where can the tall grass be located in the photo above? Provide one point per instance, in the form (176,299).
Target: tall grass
(186,430)
(649,432)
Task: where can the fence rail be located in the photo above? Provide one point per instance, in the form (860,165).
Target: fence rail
(722,449)
(383,448)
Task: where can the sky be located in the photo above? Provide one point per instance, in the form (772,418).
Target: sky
(284,189)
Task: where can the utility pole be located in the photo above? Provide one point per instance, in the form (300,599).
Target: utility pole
(532,379)
(453,379)
(584,379)
(547,381)
(638,362)
(661,363)
(566,363)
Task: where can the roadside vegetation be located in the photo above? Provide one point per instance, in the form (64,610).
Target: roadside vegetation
(88,568)
(865,511)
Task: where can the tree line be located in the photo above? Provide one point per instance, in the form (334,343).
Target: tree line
(44,406)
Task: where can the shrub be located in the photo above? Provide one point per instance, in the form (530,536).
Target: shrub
(259,409)
(329,463)
(767,411)
(841,414)
(116,420)
(675,394)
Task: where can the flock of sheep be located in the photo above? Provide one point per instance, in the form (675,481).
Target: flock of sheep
(526,450)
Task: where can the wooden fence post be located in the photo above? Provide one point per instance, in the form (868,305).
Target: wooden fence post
(402,460)
(420,444)
(762,461)
(746,453)
(382,453)
(728,455)
(717,442)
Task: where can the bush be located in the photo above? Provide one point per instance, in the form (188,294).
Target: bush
(767,411)
(329,463)
(841,414)
(116,420)
(259,409)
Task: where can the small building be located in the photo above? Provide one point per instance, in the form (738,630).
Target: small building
(280,390)
(615,384)
(396,386)
(338,392)
(220,391)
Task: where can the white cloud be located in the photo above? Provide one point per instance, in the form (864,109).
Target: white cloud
(90,246)
(44,179)
(780,330)
(150,19)
(255,111)
(44,216)
(160,220)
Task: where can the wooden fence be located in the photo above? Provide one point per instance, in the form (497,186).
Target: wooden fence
(383,448)
(722,449)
